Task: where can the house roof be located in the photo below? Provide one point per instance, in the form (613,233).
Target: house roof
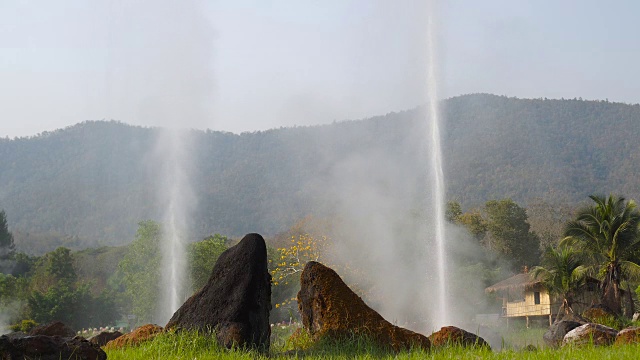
(524,281)
(519,281)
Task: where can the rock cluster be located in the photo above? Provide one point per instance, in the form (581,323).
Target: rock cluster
(45,347)
(329,308)
(554,336)
(104,337)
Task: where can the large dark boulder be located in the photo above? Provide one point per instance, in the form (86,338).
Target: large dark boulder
(104,337)
(49,348)
(454,336)
(554,336)
(330,309)
(236,301)
(55,328)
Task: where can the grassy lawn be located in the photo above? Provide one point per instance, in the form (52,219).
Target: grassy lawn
(194,346)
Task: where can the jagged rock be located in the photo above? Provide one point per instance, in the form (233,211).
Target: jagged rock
(554,336)
(55,328)
(137,336)
(104,337)
(451,335)
(629,335)
(575,317)
(590,333)
(330,309)
(236,300)
(16,334)
(44,347)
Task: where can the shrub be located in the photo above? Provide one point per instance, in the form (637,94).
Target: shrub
(24,326)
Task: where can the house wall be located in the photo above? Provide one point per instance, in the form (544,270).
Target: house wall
(528,307)
(547,306)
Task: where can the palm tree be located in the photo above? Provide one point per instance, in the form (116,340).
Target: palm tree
(563,273)
(608,233)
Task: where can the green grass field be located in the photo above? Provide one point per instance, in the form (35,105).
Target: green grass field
(192,346)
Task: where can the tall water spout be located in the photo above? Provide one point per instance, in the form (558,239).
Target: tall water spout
(440,316)
(177,200)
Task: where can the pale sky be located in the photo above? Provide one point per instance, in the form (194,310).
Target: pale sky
(241,65)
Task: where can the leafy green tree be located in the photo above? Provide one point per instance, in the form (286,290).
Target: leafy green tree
(474,223)
(453,211)
(8,288)
(563,273)
(59,265)
(202,256)
(24,264)
(510,233)
(140,269)
(53,269)
(548,219)
(76,307)
(608,232)
(7,246)
(56,294)
(471,220)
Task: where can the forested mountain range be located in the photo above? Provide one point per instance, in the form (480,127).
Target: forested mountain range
(91,183)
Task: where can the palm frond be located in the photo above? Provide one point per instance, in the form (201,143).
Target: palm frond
(630,269)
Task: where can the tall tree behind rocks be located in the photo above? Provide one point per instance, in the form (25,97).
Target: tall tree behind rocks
(140,270)
(7,247)
(510,235)
(548,218)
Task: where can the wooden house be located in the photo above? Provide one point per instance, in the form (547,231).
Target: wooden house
(523,296)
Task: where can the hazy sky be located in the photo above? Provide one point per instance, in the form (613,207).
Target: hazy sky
(250,65)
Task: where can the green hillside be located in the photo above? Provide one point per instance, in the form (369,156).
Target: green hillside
(90,184)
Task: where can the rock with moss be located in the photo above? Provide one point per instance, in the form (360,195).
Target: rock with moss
(630,335)
(136,337)
(454,336)
(329,308)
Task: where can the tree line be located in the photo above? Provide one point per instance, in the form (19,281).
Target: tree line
(97,287)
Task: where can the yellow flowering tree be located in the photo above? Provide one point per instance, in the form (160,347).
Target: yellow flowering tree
(290,260)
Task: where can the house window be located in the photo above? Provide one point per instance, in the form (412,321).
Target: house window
(536,297)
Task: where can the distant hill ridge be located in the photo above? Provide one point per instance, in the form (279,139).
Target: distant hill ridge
(92,182)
